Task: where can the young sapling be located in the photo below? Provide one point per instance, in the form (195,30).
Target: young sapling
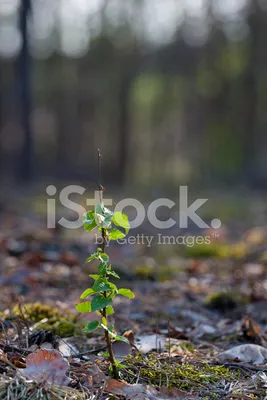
(112,226)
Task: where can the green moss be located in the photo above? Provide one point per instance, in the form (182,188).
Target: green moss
(225,300)
(158,371)
(145,272)
(168,272)
(238,250)
(205,250)
(188,346)
(184,345)
(161,273)
(49,318)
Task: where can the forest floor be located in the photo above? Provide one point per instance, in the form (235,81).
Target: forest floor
(193,309)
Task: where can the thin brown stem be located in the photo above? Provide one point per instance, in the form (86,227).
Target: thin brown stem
(104,311)
(100,187)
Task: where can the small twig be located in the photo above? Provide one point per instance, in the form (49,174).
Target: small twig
(4,330)
(24,322)
(88,352)
(6,361)
(169,338)
(100,187)
(243,365)
(236,396)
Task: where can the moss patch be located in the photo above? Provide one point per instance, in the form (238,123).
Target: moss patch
(158,371)
(224,301)
(212,250)
(49,318)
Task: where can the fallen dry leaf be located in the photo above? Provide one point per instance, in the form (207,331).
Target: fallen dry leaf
(130,336)
(246,352)
(175,393)
(18,361)
(129,391)
(97,376)
(121,349)
(250,328)
(46,365)
(146,392)
(146,343)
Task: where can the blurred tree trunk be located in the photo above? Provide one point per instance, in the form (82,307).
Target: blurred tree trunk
(123,127)
(257,97)
(124,123)
(1,119)
(251,100)
(24,84)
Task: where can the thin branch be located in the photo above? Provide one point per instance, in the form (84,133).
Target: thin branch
(104,312)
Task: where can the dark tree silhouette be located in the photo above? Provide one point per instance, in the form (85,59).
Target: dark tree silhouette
(24,84)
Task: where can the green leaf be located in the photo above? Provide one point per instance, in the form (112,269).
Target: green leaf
(108,212)
(113,273)
(122,338)
(89,222)
(103,216)
(94,276)
(101,209)
(84,307)
(103,268)
(107,222)
(87,293)
(104,321)
(113,287)
(101,285)
(106,328)
(100,302)
(121,220)
(126,293)
(92,326)
(109,310)
(103,257)
(113,290)
(115,234)
(110,330)
(94,256)
(99,219)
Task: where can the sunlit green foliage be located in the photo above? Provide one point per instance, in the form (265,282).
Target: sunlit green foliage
(112,226)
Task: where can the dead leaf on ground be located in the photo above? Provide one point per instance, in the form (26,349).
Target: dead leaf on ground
(130,336)
(202,330)
(251,353)
(121,349)
(94,375)
(18,361)
(46,365)
(175,393)
(146,392)
(147,343)
(175,332)
(251,329)
(121,388)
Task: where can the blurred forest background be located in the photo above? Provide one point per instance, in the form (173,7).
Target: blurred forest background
(184,81)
